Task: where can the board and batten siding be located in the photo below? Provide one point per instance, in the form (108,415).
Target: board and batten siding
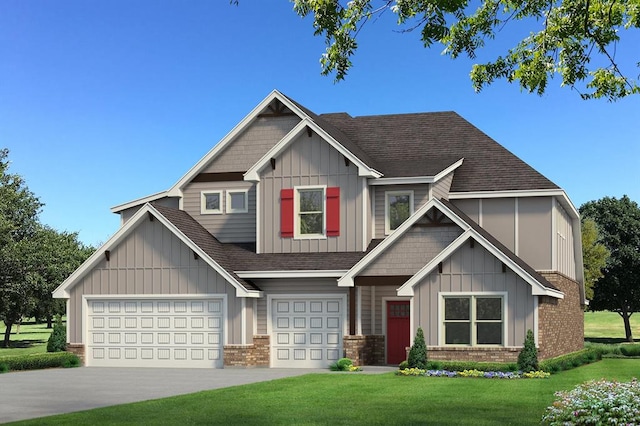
(292,286)
(565,253)
(413,250)
(310,161)
(153,261)
(522,224)
(420,197)
(473,270)
(249,146)
(441,187)
(227,227)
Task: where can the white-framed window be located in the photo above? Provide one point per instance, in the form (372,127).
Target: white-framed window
(211,202)
(473,320)
(310,211)
(398,206)
(237,201)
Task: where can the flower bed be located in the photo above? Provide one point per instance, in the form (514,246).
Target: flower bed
(473,373)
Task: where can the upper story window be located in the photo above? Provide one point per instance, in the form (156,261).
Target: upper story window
(398,207)
(310,212)
(237,201)
(473,320)
(211,202)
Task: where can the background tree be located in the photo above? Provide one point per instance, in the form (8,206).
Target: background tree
(618,290)
(575,39)
(594,255)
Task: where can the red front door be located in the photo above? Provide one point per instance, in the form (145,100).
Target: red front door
(398,336)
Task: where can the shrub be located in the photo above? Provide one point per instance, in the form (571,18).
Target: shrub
(630,350)
(403,365)
(3,367)
(58,339)
(471,365)
(528,356)
(40,361)
(343,364)
(418,352)
(569,361)
(596,402)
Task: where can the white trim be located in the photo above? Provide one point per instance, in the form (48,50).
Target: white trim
(365,194)
(291,274)
(243,321)
(373,213)
(417,179)
(255,316)
(480,212)
(359,311)
(253,174)
(258,219)
(554,238)
(535,321)
(203,202)
(62,292)
(387,225)
(373,311)
(229,209)
(296,211)
(472,294)
(412,323)
(68,321)
(139,201)
(516,224)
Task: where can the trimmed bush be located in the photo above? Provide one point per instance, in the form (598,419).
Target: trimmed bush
(528,356)
(630,350)
(471,365)
(40,361)
(418,352)
(58,339)
(569,361)
(3,367)
(343,364)
(403,365)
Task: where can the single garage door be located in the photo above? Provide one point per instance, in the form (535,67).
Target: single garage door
(306,333)
(155,332)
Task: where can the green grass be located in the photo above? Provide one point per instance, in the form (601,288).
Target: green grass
(607,327)
(353,398)
(31,340)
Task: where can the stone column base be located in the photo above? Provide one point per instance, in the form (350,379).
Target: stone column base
(253,355)
(365,350)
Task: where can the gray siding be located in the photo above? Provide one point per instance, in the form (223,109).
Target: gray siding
(499,218)
(251,144)
(534,232)
(292,286)
(420,197)
(473,270)
(441,187)
(311,161)
(227,227)
(152,261)
(471,207)
(382,293)
(565,255)
(413,250)
(127,214)
(366,308)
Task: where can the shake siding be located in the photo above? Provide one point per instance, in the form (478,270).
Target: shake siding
(441,187)
(252,144)
(420,196)
(311,161)
(227,227)
(413,251)
(566,262)
(293,286)
(152,261)
(473,270)
(172,202)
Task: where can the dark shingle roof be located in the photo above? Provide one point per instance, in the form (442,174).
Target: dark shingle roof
(424,144)
(203,239)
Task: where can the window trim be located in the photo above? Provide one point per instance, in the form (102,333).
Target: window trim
(231,210)
(296,212)
(203,202)
(387,225)
(473,295)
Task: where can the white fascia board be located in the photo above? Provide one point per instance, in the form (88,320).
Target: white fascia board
(139,201)
(253,174)
(291,274)
(347,279)
(416,179)
(230,137)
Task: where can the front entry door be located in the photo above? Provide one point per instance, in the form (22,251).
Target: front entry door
(398,333)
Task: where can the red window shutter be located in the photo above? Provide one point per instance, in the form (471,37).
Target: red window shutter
(333,211)
(286,213)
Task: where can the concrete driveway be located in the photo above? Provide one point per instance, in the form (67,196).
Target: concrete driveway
(32,394)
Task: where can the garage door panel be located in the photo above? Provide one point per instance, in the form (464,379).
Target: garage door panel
(155,333)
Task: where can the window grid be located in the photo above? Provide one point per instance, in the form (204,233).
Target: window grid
(473,322)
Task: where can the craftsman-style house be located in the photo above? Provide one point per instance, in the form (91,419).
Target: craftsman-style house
(302,238)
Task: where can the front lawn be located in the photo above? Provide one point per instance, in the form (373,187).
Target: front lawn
(607,327)
(356,398)
(32,339)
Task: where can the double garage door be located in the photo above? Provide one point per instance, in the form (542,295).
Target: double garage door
(155,332)
(306,333)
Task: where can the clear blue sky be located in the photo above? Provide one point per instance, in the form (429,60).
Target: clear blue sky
(102,102)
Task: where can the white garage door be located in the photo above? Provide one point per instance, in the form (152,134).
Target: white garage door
(155,333)
(306,333)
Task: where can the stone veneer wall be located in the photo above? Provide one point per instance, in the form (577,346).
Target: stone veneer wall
(472,354)
(254,355)
(365,350)
(78,349)
(561,321)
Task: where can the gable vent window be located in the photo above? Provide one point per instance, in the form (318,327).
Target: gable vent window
(310,212)
(398,207)
(211,202)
